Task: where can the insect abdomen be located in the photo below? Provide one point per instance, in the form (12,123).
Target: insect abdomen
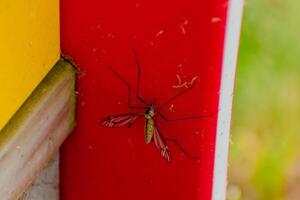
(149,130)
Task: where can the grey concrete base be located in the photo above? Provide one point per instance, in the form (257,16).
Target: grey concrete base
(46,184)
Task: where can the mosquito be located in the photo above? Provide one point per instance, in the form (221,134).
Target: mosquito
(149,113)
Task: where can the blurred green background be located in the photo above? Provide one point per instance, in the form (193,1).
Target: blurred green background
(265,143)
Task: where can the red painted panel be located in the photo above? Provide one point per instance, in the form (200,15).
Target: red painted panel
(172,38)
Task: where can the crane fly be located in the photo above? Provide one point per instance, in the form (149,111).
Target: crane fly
(151,130)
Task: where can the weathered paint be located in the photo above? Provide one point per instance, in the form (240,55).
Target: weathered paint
(29,47)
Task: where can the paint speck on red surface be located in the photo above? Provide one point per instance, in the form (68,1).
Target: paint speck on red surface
(173,38)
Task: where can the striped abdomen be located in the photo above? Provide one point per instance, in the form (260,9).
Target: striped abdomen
(149,130)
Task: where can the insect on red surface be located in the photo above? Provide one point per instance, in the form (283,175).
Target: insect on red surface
(149,112)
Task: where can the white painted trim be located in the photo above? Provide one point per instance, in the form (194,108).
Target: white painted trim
(231,45)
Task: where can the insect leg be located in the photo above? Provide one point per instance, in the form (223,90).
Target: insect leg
(138,79)
(174,97)
(178,146)
(128,86)
(182,149)
(186,118)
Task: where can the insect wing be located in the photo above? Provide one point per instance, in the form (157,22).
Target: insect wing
(121,120)
(161,145)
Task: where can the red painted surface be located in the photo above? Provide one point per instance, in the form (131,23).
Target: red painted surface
(171,37)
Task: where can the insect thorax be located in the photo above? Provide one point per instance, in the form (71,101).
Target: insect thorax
(150,112)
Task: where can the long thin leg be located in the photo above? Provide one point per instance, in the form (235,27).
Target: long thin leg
(186,118)
(174,97)
(129,89)
(182,149)
(138,79)
(178,146)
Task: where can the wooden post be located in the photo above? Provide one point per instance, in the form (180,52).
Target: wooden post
(46,184)
(34,134)
(35,117)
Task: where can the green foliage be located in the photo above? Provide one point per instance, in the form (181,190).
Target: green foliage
(266,117)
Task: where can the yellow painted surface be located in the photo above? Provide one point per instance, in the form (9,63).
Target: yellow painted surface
(29,47)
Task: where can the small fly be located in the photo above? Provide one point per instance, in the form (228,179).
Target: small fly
(151,131)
